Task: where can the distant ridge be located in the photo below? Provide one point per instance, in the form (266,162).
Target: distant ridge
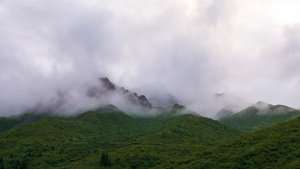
(225,112)
(260,115)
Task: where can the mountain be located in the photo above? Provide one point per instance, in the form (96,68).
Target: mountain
(276,146)
(173,138)
(106,88)
(259,116)
(181,137)
(130,141)
(106,119)
(225,112)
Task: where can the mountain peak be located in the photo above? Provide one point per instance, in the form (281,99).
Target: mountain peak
(108,107)
(108,85)
(131,97)
(260,115)
(261,105)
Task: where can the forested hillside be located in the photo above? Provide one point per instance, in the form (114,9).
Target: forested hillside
(109,134)
(259,116)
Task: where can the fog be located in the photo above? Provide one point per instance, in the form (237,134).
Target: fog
(207,54)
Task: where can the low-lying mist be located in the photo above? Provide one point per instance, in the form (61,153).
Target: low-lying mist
(77,98)
(66,98)
(198,53)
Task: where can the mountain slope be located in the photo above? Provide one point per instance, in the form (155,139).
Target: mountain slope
(192,129)
(170,135)
(180,138)
(7,123)
(108,118)
(79,142)
(272,147)
(49,143)
(259,116)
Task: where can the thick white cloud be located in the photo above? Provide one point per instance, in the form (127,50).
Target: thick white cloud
(191,49)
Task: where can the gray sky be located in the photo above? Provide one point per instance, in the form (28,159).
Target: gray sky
(192,49)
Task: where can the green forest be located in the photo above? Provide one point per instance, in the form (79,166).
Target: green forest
(109,138)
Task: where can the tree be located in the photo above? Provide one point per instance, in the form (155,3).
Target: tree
(105,160)
(23,164)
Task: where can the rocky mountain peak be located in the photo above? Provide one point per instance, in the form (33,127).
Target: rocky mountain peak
(108,85)
(131,97)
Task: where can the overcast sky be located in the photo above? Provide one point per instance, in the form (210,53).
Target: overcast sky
(193,49)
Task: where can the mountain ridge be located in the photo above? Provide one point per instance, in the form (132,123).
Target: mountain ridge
(275,146)
(260,115)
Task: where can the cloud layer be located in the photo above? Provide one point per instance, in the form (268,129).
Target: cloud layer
(194,50)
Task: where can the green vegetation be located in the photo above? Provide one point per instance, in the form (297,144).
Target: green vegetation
(7,123)
(253,118)
(107,137)
(272,147)
(105,160)
(82,142)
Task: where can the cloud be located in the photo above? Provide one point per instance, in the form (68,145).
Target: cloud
(192,50)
